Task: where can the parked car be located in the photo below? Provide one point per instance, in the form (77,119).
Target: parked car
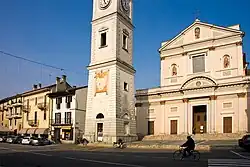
(244,142)
(3,138)
(10,139)
(37,141)
(48,142)
(26,140)
(17,139)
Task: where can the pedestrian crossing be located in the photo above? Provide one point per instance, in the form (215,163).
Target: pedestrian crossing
(228,162)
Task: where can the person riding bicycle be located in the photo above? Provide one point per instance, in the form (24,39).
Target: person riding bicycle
(189,144)
(120,142)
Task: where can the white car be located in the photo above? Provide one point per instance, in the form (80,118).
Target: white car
(26,140)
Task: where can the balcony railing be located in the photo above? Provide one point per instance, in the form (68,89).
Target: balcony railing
(64,121)
(42,106)
(26,108)
(15,104)
(33,123)
(14,115)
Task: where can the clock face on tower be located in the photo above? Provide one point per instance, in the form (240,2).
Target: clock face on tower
(125,5)
(104,4)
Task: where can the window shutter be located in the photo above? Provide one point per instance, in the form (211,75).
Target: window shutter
(199,63)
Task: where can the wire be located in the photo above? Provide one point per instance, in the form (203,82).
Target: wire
(36,62)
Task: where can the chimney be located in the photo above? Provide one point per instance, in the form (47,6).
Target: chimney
(57,80)
(40,85)
(34,87)
(64,78)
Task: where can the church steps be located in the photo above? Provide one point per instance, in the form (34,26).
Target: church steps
(218,136)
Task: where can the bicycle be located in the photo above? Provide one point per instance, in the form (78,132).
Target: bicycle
(121,146)
(179,154)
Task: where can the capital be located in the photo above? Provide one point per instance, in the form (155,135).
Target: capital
(185,100)
(213,97)
(241,95)
(162,102)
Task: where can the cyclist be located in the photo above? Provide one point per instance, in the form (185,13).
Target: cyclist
(120,143)
(189,144)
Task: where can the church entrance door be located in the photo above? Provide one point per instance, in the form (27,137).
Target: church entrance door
(99,132)
(199,119)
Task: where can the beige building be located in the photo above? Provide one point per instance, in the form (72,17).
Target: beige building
(204,85)
(7,117)
(110,103)
(36,109)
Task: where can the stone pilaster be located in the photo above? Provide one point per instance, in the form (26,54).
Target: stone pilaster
(163,116)
(186,116)
(212,114)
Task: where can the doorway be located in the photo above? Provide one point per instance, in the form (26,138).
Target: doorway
(227,124)
(199,119)
(150,127)
(57,134)
(99,132)
(173,130)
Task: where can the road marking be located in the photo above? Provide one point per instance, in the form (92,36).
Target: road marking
(228,162)
(242,156)
(48,155)
(104,162)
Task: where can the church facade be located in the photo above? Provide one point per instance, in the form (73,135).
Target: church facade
(204,86)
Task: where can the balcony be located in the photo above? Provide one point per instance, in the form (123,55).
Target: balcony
(13,115)
(62,122)
(42,106)
(33,123)
(26,108)
(17,103)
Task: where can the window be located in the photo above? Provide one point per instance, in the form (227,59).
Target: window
(67,117)
(44,115)
(58,102)
(103,39)
(57,118)
(15,122)
(174,69)
(35,120)
(68,100)
(125,42)
(197,33)
(198,63)
(226,61)
(27,116)
(125,86)
(10,122)
(36,101)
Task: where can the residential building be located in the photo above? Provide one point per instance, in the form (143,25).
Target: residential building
(110,104)
(4,122)
(68,111)
(36,110)
(204,84)
(14,113)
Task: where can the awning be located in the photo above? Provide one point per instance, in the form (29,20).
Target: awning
(31,131)
(23,131)
(4,129)
(42,131)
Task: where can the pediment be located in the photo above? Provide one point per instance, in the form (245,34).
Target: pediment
(198,82)
(207,31)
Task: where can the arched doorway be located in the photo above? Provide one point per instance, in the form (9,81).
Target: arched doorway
(99,119)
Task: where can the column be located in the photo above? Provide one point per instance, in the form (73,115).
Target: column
(163,116)
(212,114)
(241,123)
(186,116)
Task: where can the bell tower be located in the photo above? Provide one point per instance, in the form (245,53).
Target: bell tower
(110,103)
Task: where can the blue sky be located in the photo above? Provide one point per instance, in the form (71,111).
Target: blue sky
(58,33)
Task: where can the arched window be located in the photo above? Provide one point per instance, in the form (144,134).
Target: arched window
(226,61)
(197,32)
(174,69)
(100,116)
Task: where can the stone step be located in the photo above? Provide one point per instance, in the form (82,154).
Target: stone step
(219,136)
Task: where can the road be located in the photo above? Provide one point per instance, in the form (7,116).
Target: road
(74,156)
